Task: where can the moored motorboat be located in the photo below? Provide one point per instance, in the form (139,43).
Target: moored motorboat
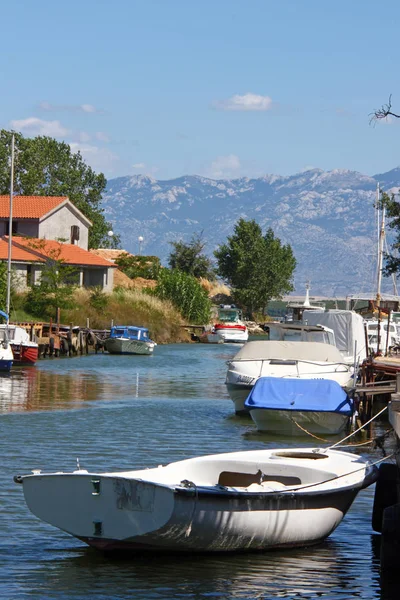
(230,325)
(125,339)
(6,353)
(251,500)
(305,360)
(25,351)
(287,406)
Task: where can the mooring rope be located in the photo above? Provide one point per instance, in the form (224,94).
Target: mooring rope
(359,429)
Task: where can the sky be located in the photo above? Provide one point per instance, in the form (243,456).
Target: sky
(218,88)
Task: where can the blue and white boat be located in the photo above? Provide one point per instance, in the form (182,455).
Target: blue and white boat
(6,353)
(128,339)
(297,406)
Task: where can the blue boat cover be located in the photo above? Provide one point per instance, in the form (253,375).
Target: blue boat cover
(278,393)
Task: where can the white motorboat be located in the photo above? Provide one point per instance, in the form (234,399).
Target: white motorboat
(349,331)
(288,406)
(230,325)
(25,350)
(306,360)
(251,500)
(129,340)
(6,353)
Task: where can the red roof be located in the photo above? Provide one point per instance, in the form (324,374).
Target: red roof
(29,207)
(39,250)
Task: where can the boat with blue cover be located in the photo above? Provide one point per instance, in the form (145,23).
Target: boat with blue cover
(129,339)
(297,406)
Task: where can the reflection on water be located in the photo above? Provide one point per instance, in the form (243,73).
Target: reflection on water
(131,412)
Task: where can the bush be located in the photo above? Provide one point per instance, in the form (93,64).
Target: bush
(185,293)
(147,267)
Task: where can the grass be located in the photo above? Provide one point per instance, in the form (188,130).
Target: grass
(122,307)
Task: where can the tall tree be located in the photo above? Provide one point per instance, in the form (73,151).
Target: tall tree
(189,258)
(45,167)
(257,266)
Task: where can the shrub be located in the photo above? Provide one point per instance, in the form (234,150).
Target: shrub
(185,293)
(147,267)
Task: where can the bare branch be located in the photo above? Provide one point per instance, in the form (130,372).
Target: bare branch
(384,112)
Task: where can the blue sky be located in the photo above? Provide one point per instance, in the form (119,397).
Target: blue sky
(221,88)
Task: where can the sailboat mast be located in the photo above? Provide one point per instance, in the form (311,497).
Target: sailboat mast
(380,251)
(10,230)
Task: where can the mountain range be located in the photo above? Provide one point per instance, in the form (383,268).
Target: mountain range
(328,217)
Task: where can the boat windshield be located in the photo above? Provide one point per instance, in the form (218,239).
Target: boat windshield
(228,315)
(302,335)
(118,332)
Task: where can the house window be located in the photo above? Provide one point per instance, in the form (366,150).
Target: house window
(14,229)
(28,275)
(74,233)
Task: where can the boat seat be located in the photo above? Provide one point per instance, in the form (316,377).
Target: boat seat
(236,479)
(266,486)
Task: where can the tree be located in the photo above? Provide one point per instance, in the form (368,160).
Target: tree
(189,258)
(185,293)
(57,286)
(147,267)
(383,112)
(392,206)
(45,167)
(257,266)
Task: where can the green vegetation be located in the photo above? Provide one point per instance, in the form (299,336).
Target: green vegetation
(45,167)
(58,283)
(147,267)
(258,267)
(185,293)
(392,206)
(189,258)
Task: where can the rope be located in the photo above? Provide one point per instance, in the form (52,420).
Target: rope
(308,432)
(359,429)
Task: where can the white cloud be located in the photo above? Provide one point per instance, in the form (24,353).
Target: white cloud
(100,159)
(102,137)
(35,126)
(139,166)
(84,137)
(85,108)
(247,102)
(225,167)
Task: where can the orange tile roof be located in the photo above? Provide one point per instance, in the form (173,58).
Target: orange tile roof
(29,207)
(38,250)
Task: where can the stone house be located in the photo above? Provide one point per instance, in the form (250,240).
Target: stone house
(44,227)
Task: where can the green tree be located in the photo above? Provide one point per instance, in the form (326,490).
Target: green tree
(45,167)
(258,267)
(147,267)
(57,286)
(189,258)
(185,293)
(392,206)
(3,285)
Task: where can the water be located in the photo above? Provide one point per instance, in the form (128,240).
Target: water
(119,412)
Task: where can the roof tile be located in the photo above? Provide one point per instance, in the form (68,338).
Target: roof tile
(29,207)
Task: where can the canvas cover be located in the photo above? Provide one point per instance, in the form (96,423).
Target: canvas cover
(278,393)
(269,349)
(348,327)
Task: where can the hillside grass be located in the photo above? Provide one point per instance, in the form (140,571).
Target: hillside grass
(122,307)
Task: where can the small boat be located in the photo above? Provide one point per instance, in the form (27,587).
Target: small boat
(129,340)
(295,309)
(210,337)
(6,353)
(299,406)
(270,358)
(250,500)
(25,351)
(230,325)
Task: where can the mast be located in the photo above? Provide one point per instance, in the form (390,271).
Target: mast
(10,231)
(380,250)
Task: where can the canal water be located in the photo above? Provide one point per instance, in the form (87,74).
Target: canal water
(124,412)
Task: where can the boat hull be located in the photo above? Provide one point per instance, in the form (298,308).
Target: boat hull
(284,422)
(24,355)
(127,346)
(137,515)
(232,334)
(254,500)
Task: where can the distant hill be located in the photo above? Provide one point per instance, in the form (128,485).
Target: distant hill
(328,218)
